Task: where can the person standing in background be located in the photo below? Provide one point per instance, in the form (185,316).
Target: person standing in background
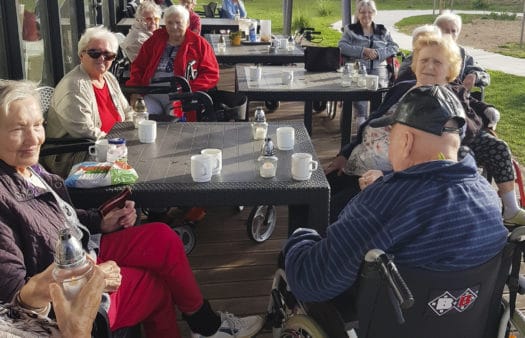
(230,8)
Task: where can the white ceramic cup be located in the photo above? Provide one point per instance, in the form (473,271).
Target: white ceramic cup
(147,131)
(201,168)
(216,159)
(285,138)
(303,166)
(372,82)
(287,77)
(99,150)
(221,47)
(283,43)
(255,73)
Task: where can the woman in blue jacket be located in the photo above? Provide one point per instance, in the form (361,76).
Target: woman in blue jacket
(370,44)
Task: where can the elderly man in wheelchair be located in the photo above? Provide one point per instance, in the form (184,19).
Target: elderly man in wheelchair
(435,215)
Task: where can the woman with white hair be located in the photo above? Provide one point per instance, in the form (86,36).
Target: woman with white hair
(370,44)
(147,21)
(470,74)
(168,52)
(87,101)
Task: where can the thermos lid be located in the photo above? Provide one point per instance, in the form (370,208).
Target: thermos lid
(117,140)
(268,149)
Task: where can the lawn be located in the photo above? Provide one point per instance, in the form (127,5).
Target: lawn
(505,92)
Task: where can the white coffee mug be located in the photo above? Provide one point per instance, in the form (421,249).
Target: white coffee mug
(283,43)
(255,73)
(99,150)
(287,77)
(303,166)
(201,168)
(216,159)
(372,82)
(285,138)
(147,131)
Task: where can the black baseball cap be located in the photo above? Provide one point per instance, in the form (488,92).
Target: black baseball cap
(427,108)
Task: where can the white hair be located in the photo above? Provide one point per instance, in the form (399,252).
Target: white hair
(178,10)
(148,6)
(97,33)
(365,3)
(14,90)
(448,16)
(425,29)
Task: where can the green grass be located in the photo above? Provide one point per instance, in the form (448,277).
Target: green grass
(505,92)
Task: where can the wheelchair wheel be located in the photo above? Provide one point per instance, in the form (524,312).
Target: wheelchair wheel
(271,105)
(261,222)
(301,326)
(318,106)
(187,235)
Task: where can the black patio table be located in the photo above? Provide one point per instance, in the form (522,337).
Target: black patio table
(254,52)
(307,87)
(165,180)
(207,24)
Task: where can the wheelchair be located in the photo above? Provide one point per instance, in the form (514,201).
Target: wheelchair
(397,301)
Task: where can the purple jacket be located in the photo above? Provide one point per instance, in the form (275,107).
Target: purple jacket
(30,218)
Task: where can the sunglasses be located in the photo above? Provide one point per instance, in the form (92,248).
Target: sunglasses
(96,53)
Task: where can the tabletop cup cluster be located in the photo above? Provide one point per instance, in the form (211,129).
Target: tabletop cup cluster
(354,75)
(302,163)
(206,164)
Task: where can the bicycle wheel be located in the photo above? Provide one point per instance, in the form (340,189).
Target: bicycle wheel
(301,326)
(261,223)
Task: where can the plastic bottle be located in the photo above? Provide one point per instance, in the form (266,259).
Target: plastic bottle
(72,269)
(252,32)
(141,111)
(117,150)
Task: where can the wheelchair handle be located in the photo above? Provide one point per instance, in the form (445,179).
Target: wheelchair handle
(395,281)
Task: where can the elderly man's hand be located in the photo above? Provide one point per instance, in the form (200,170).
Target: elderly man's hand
(117,218)
(75,317)
(369,177)
(469,81)
(337,164)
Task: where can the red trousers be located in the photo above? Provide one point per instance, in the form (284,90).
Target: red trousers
(156,276)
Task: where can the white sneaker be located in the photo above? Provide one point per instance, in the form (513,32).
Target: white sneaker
(233,326)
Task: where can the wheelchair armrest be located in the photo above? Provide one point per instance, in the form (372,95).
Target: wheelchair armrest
(196,101)
(521,285)
(176,84)
(517,235)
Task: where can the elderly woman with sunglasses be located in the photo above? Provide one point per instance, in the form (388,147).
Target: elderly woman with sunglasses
(168,52)
(147,20)
(87,101)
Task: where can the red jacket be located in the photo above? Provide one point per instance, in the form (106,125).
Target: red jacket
(194,47)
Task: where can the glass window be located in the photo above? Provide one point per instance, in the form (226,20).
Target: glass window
(34,30)
(69,36)
(90,13)
(3,56)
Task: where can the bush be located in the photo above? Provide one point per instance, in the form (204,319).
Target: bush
(324,8)
(300,21)
(500,16)
(480,4)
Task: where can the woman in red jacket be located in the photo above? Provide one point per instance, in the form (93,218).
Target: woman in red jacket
(168,52)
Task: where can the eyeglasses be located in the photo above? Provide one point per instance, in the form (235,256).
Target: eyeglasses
(96,53)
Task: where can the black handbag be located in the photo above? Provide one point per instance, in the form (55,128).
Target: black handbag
(322,59)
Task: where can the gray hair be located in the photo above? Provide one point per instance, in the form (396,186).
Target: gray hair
(448,16)
(97,33)
(178,10)
(365,3)
(148,6)
(14,90)
(425,29)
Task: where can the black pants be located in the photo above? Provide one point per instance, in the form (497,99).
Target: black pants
(342,189)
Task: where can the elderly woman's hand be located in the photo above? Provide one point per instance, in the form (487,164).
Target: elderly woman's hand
(370,53)
(117,218)
(35,293)
(75,317)
(337,164)
(368,178)
(469,81)
(112,276)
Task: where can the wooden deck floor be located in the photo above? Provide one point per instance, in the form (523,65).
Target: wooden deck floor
(234,273)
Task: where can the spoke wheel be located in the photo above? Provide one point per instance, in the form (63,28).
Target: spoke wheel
(301,326)
(261,222)
(187,236)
